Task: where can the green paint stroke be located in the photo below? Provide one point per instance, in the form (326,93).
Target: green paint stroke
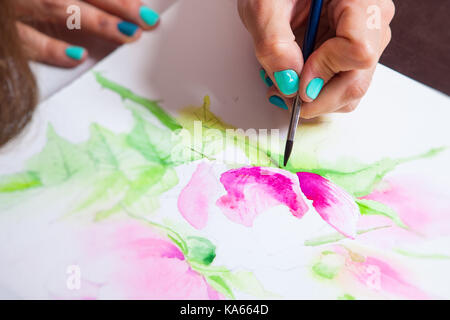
(223,280)
(328,266)
(59,161)
(433,256)
(150,105)
(346,296)
(153,143)
(361,182)
(125,176)
(325,271)
(370,207)
(217,134)
(142,194)
(19,182)
(103,189)
(220,285)
(201,250)
(335,237)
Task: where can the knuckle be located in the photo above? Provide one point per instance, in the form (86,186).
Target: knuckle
(388,36)
(349,108)
(51,5)
(327,65)
(389,9)
(364,54)
(128,4)
(269,48)
(255,7)
(356,90)
(347,5)
(102,21)
(249,9)
(50,8)
(308,114)
(352,3)
(49,50)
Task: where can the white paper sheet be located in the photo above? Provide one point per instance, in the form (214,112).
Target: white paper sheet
(202,49)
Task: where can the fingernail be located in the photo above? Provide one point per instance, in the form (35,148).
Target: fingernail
(277,101)
(314,87)
(287,81)
(265,78)
(149,16)
(75,53)
(127,28)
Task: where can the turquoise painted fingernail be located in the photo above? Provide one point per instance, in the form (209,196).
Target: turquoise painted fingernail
(287,81)
(276,100)
(266,79)
(127,28)
(314,87)
(75,53)
(149,16)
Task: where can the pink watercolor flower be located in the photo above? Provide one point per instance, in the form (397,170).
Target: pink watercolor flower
(422,206)
(196,198)
(251,190)
(377,276)
(332,203)
(133,261)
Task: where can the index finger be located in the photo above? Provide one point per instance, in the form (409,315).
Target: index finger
(269,24)
(132,10)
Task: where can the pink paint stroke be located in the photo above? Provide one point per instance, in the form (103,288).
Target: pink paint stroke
(420,204)
(251,190)
(379,276)
(195,199)
(332,203)
(137,262)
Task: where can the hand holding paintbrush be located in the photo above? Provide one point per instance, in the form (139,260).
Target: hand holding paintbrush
(352,35)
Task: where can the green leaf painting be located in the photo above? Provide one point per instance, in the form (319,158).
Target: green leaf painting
(370,207)
(362,181)
(59,161)
(19,182)
(201,250)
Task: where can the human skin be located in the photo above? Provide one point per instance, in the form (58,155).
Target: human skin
(121,21)
(349,47)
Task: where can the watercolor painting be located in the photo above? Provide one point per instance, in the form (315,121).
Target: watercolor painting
(152,214)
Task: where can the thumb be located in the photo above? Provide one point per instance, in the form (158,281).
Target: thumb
(332,57)
(276,50)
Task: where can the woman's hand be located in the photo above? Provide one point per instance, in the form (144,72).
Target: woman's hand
(352,36)
(120,21)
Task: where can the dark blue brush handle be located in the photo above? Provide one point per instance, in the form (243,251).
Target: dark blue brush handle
(311,28)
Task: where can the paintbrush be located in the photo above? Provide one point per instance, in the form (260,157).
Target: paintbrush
(308,47)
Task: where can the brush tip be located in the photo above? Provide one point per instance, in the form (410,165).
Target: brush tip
(287,151)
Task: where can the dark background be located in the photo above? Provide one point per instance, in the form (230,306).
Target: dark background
(420,46)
